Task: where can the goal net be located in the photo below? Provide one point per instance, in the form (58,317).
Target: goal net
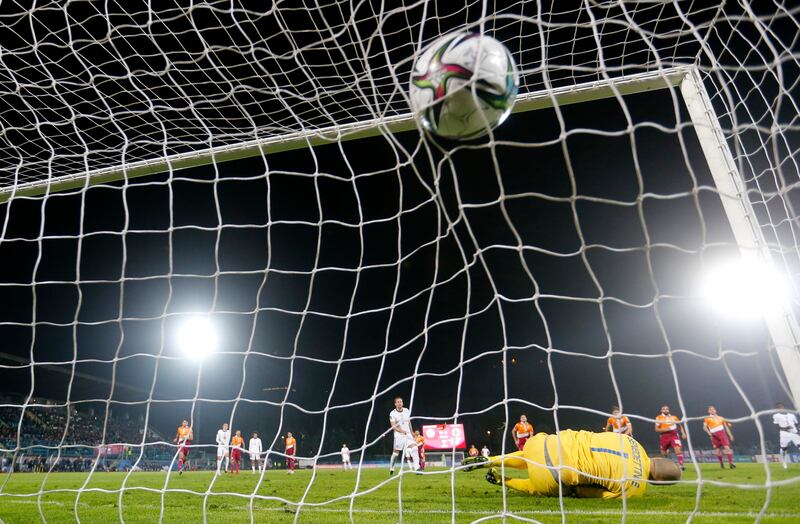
(224,213)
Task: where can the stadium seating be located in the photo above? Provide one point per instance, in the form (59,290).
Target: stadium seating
(45,429)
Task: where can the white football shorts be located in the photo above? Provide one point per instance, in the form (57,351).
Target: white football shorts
(789,438)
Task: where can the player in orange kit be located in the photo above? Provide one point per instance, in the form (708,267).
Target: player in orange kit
(291,449)
(420,440)
(521,432)
(668,426)
(237,445)
(618,423)
(184,439)
(719,429)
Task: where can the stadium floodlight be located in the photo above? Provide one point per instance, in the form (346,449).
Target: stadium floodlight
(745,289)
(197,337)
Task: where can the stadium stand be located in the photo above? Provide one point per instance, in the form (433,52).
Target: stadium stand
(44,430)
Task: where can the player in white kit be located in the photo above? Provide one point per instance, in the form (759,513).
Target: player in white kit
(223,439)
(787,423)
(254,448)
(400,423)
(346,457)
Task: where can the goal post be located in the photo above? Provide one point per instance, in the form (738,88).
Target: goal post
(443,459)
(780,320)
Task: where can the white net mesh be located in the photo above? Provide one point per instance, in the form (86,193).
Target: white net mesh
(551,270)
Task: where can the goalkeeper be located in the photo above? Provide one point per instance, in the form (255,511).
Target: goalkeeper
(595,465)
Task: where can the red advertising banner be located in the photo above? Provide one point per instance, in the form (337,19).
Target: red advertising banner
(114,449)
(444,436)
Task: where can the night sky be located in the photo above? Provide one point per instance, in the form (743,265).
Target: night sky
(464,277)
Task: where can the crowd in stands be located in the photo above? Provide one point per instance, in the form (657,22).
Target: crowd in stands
(41,463)
(50,424)
(53,462)
(46,431)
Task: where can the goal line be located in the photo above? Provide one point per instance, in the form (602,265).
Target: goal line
(375,511)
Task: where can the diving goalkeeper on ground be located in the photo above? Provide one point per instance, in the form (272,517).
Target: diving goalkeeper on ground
(582,463)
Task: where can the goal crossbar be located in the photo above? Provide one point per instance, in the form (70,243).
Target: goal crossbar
(531,101)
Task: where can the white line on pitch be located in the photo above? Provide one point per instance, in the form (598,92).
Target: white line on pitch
(460,511)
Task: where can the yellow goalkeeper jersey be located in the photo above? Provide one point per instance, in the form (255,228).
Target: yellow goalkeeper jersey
(594,464)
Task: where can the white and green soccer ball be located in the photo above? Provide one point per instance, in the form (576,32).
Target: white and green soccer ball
(463,84)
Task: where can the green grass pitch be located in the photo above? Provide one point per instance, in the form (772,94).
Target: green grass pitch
(425,498)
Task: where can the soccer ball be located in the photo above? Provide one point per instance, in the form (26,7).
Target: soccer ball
(442,83)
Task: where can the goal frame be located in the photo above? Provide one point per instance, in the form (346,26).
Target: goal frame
(443,458)
(781,322)
(685,81)
(530,101)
